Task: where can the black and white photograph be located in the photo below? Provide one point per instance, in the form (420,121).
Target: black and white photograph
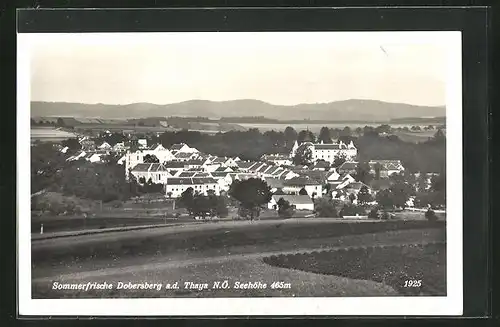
(240,173)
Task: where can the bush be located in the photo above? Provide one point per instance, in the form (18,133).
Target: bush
(374,214)
(385,216)
(351,210)
(325,208)
(430,215)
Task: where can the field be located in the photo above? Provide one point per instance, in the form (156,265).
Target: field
(392,265)
(209,252)
(415,137)
(49,134)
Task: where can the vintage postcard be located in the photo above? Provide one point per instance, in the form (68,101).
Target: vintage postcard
(219,174)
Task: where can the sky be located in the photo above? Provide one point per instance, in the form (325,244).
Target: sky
(279,68)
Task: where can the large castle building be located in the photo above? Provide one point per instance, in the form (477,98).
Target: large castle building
(327,151)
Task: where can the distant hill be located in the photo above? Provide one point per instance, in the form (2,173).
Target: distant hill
(362,110)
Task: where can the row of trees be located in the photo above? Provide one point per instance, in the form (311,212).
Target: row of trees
(428,156)
(203,206)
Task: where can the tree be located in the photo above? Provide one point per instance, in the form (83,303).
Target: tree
(385,200)
(400,193)
(252,194)
(351,210)
(285,210)
(377,167)
(151,158)
(422,182)
(303,156)
(430,215)
(186,199)
(325,208)
(346,131)
(303,191)
(363,172)
(352,197)
(364,195)
(339,160)
(72,144)
(60,122)
(374,214)
(438,183)
(324,135)
(201,206)
(305,136)
(220,207)
(290,135)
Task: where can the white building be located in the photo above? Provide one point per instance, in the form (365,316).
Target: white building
(387,167)
(277,159)
(182,147)
(299,202)
(176,186)
(132,159)
(157,172)
(294,185)
(104,146)
(327,152)
(143,143)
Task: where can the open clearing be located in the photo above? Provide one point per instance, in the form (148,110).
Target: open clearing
(208,253)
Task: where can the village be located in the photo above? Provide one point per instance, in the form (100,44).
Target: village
(313,175)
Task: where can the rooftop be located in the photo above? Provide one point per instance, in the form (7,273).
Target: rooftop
(190,181)
(293,199)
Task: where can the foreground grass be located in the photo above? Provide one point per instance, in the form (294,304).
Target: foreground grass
(392,265)
(201,238)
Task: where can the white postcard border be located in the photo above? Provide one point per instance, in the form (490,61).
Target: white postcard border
(450,305)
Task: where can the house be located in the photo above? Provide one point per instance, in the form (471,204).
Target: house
(159,151)
(182,147)
(93,157)
(194,164)
(321,165)
(327,152)
(77,156)
(104,146)
(287,174)
(299,202)
(185,156)
(316,175)
(224,180)
(176,186)
(332,175)
(157,172)
(245,165)
(387,167)
(275,184)
(294,185)
(353,188)
(339,184)
(121,160)
(143,143)
(119,147)
(132,159)
(277,159)
(87,144)
(224,169)
(175,168)
(348,167)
